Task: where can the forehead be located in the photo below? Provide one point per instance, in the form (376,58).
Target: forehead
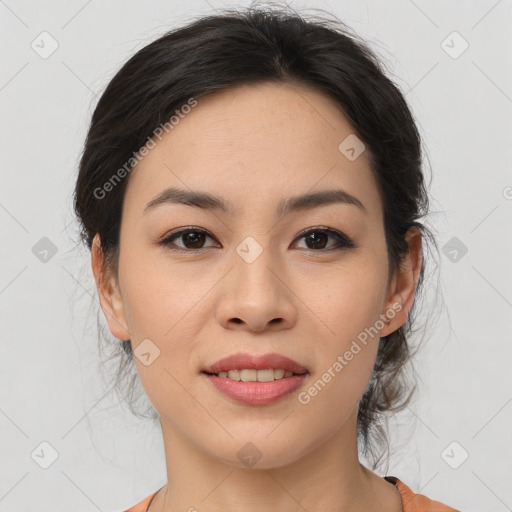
(263,142)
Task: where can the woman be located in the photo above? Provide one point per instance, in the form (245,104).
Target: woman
(250,190)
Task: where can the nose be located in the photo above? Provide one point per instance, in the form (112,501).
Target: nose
(256,296)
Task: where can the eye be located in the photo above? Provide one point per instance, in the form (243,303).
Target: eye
(192,238)
(317,238)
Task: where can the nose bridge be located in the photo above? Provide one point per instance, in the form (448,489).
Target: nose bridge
(253,270)
(255,294)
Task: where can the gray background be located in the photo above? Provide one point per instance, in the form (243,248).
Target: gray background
(51,389)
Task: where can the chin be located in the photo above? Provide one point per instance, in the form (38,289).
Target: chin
(260,454)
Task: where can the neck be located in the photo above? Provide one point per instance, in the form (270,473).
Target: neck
(328,477)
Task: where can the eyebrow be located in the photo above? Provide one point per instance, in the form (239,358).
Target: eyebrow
(207,201)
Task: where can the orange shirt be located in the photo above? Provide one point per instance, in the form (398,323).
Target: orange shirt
(411,502)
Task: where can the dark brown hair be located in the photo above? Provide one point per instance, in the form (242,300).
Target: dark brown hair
(250,46)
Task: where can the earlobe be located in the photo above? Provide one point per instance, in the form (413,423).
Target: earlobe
(108,293)
(403,285)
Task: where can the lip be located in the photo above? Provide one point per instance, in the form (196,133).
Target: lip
(256,393)
(242,361)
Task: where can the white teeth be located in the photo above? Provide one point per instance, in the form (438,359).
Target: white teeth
(247,375)
(278,374)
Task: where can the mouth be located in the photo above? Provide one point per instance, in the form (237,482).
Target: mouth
(256,380)
(252,375)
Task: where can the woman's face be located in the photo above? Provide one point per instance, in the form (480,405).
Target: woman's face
(255,279)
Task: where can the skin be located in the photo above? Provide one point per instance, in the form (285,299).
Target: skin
(255,145)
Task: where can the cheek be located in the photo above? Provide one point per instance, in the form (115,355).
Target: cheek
(347,354)
(160,300)
(163,306)
(349,306)
(349,299)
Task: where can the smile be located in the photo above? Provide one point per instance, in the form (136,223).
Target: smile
(250,375)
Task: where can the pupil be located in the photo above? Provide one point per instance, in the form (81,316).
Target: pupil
(316,242)
(194,238)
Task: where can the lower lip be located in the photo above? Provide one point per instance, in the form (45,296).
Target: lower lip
(257,393)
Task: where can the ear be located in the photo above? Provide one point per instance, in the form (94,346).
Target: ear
(403,284)
(108,292)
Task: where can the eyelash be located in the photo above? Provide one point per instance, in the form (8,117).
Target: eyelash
(343,241)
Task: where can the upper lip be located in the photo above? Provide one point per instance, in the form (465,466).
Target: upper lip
(255,362)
